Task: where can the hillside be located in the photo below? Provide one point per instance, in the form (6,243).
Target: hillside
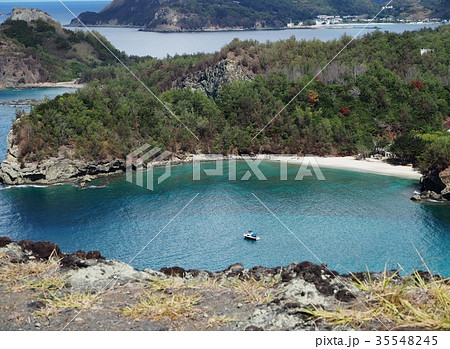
(34,48)
(195,15)
(179,15)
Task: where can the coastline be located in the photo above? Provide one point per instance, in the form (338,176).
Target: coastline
(60,170)
(64,84)
(349,163)
(217,30)
(373,166)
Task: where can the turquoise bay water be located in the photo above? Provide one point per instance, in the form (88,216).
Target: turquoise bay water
(350,221)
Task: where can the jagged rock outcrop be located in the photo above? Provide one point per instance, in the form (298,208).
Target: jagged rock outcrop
(435,186)
(17,70)
(212,79)
(30,14)
(53,170)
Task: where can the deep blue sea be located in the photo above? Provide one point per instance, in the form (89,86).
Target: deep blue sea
(351,221)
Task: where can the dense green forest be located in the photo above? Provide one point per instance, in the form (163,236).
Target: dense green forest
(63,54)
(380,92)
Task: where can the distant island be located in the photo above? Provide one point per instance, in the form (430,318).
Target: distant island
(211,15)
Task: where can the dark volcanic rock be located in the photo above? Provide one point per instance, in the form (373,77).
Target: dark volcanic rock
(94,255)
(40,249)
(174,271)
(435,186)
(4,240)
(319,275)
(291,305)
(234,270)
(81,254)
(35,305)
(344,296)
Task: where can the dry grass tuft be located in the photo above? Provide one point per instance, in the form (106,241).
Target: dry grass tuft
(175,283)
(32,275)
(159,306)
(254,291)
(215,321)
(408,303)
(69,301)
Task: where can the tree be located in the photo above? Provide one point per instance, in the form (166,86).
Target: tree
(408,147)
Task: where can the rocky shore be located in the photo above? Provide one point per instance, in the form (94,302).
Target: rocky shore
(53,170)
(435,187)
(44,288)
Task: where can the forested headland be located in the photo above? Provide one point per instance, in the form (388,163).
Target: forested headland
(380,91)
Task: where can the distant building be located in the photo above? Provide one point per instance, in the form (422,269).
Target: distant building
(424,51)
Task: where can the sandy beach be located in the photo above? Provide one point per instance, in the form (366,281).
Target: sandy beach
(370,166)
(66,84)
(350,163)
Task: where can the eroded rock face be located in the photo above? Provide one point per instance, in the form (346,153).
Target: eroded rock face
(445,179)
(57,170)
(52,170)
(435,187)
(212,79)
(17,69)
(31,14)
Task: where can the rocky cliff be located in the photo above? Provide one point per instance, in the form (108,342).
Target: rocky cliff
(17,65)
(213,78)
(435,186)
(53,170)
(17,69)
(30,14)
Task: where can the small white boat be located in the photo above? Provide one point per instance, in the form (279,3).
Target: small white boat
(251,236)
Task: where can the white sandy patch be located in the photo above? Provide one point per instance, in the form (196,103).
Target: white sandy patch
(66,84)
(350,163)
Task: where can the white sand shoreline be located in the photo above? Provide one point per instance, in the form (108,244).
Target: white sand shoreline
(350,163)
(66,84)
(342,163)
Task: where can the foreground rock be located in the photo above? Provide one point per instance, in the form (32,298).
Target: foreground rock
(233,299)
(44,288)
